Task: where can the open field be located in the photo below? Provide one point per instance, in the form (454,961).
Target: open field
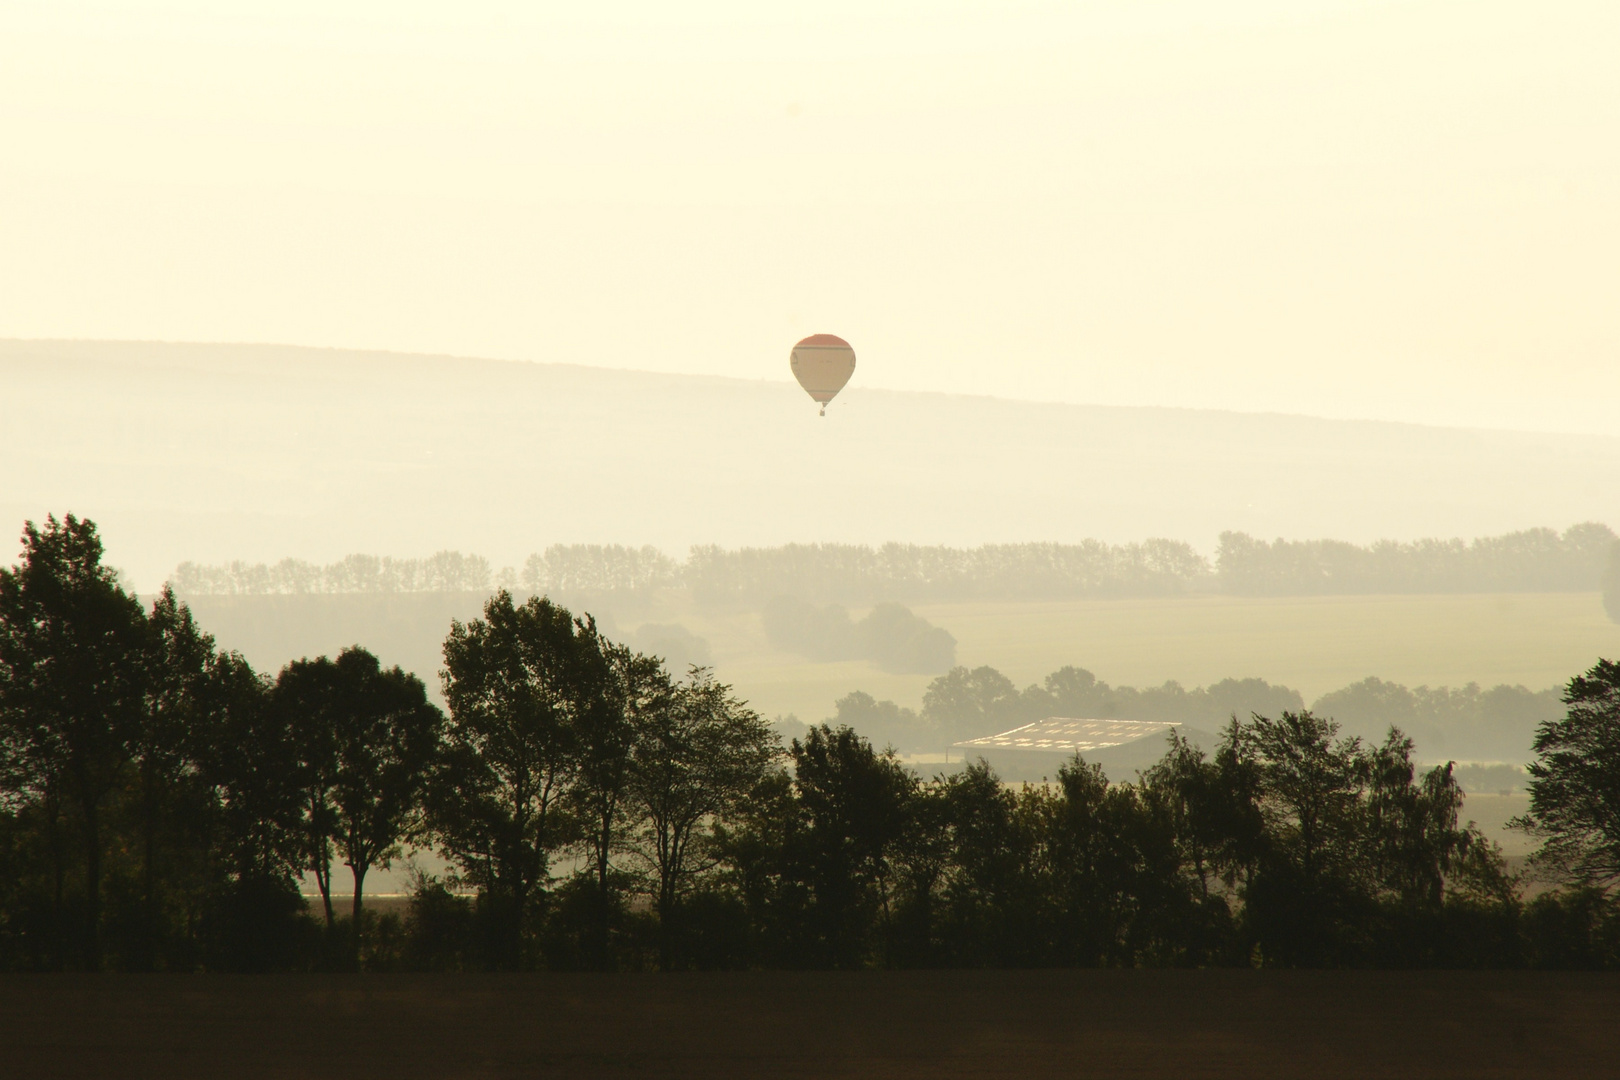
(1492,813)
(937,1025)
(1313,644)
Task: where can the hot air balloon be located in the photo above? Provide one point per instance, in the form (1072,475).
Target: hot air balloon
(823,363)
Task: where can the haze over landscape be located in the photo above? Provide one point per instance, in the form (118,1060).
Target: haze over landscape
(431,561)
(1354,208)
(211,453)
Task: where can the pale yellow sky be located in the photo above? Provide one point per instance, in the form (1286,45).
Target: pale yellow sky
(1407,210)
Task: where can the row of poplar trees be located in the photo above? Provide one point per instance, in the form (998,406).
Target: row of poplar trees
(161,803)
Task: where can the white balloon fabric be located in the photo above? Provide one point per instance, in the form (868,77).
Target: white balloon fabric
(823,363)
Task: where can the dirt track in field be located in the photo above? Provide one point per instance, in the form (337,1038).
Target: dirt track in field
(783,1024)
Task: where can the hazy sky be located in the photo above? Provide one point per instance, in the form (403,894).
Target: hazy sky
(1406,210)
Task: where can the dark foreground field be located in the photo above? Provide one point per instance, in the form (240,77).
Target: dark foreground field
(880,1024)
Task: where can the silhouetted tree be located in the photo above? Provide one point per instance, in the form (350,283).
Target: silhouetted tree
(1575,783)
(384,739)
(995,890)
(606,732)
(304,703)
(74,652)
(1207,812)
(517,682)
(171,795)
(701,752)
(1094,835)
(252,761)
(1309,890)
(853,801)
(923,859)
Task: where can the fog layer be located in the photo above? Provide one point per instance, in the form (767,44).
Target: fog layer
(219,452)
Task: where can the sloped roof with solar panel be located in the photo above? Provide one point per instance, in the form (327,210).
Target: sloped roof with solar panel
(1067,735)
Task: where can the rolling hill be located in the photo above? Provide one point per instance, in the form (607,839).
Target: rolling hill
(218,452)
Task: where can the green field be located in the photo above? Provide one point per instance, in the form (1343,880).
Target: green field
(1313,644)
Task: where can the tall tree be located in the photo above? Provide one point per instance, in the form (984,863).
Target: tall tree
(1411,824)
(303,703)
(1094,858)
(368,768)
(251,760)
(1312,894)
(1312,782)
(854,802)
(387,737)
(170,793)
(702,752)
(74,651)
(1575,782)
(605,737)
(518,683)
(993,890)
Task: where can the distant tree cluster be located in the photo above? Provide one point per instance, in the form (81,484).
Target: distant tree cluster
(1497,724)
(890,636)
(447,571)
(1536,560)
(1583,558)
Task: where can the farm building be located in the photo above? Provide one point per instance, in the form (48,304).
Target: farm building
(1035,751)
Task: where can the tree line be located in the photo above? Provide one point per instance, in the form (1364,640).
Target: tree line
(1468,722)
(1584,557)
(160,802)
(1535,560)
(445,571)
(890,636)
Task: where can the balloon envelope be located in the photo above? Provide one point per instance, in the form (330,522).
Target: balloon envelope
(823,363)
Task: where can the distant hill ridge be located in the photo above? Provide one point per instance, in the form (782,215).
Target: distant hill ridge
(210,453)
